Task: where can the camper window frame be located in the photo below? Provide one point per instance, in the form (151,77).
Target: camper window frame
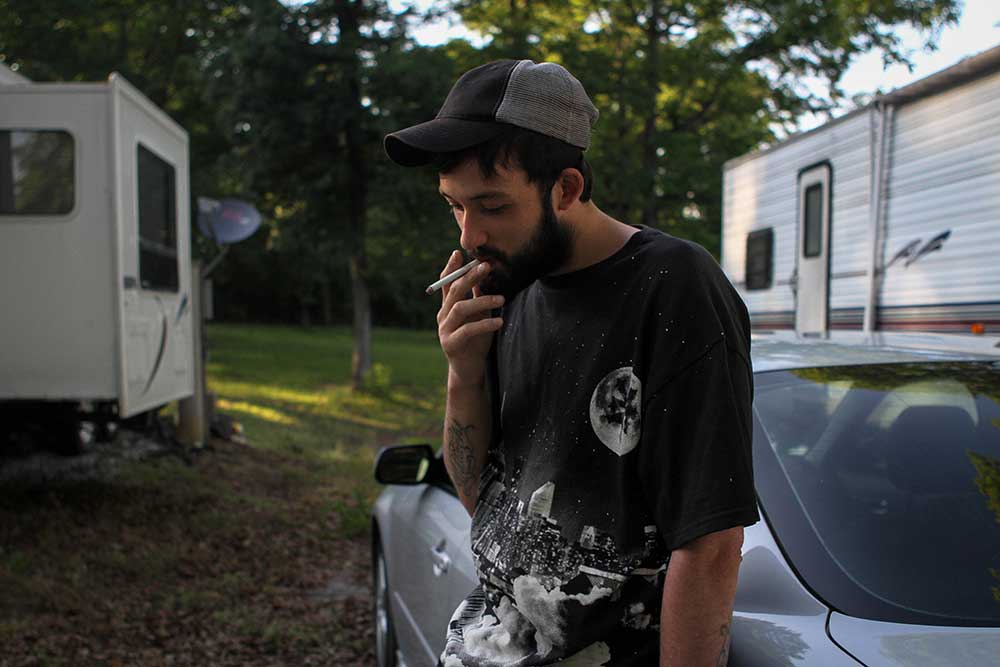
(143,244)
(750,280)
(74,179)
(818,186)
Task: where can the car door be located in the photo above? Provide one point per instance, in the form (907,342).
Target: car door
(433,569)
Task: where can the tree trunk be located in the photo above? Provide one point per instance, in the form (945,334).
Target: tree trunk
(649,162)
(517,28)
(361,360)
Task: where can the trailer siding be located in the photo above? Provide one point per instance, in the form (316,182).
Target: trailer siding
(940,202)
(945,178)
(56,284)
(762,192)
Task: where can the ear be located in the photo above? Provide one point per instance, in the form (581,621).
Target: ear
(567,190)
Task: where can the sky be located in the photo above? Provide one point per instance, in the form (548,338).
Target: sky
(977,30)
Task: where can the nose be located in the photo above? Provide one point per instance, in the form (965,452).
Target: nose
(473,232)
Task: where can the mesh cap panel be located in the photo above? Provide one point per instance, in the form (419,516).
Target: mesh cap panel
(548,99)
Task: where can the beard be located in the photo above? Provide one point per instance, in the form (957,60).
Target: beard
(548,249)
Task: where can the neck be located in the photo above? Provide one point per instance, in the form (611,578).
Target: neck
(596,236)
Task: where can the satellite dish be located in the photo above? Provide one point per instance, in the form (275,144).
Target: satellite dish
(227,221)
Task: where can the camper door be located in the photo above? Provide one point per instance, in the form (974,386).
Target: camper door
(813,285)
(154,250)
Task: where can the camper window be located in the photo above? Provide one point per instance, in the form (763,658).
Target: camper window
(36,172)
(814,220)
(759,263)
(157,222)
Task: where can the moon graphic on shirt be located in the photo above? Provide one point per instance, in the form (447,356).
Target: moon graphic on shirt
(615,410)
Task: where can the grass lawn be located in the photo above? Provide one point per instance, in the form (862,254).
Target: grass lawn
(236,555)
(291,388)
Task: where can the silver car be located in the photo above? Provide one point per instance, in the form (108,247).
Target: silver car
(877,467)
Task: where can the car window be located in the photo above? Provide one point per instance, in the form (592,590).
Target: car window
(937,391)
(896,470)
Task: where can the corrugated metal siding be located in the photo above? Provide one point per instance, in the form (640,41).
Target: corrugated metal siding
(762,192)
(945,175)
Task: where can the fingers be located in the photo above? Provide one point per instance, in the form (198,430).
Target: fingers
(461,287)
(469,330)
(464,318)
(454,262)
(467,310)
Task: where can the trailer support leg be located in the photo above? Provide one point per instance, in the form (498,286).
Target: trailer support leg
(192,427)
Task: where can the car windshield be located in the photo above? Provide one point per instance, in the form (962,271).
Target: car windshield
(896,470)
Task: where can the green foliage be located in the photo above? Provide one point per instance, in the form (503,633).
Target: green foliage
(988,479)
(308,359)
(286,105)
(988,482)
(378,381)
(162,48)
(683,87)
(411,231)
(291,389)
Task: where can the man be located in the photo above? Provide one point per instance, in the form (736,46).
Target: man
(599,390)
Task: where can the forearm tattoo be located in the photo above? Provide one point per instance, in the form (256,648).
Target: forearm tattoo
(724,655)
(462,457)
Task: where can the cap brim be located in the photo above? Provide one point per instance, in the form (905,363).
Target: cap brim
(415,146)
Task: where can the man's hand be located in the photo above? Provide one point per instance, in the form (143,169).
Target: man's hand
(698,600)
(464,326)
(466,331)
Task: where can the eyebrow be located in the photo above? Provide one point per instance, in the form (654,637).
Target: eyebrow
(488,194)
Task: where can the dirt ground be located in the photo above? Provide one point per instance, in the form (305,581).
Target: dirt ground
(228,556)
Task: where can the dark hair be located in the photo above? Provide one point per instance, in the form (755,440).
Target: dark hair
(542,157)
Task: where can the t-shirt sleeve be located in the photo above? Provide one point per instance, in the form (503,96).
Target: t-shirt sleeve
(695,463)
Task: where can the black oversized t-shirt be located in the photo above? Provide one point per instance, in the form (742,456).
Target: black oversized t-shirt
(622,397)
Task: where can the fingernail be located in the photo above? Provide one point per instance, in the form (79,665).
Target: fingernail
(498,300)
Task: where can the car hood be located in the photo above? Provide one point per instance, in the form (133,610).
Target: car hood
(882,644)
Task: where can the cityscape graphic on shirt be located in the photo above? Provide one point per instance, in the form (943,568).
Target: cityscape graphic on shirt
(524,539)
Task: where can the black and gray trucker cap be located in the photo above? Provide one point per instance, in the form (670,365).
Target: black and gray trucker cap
(543,97)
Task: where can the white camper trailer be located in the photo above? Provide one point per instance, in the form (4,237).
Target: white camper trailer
(95,278)
(887,218)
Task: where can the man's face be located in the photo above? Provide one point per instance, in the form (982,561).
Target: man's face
(505,221)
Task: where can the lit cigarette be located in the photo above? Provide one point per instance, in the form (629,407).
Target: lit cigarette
(452,277)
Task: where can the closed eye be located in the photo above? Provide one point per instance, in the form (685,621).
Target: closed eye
(496,210)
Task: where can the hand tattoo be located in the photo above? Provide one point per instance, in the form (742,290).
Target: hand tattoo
(724,655)
(463,457)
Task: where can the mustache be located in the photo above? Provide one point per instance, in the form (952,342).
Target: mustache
(487,252)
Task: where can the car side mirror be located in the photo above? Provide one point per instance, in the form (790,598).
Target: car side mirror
(404,464)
